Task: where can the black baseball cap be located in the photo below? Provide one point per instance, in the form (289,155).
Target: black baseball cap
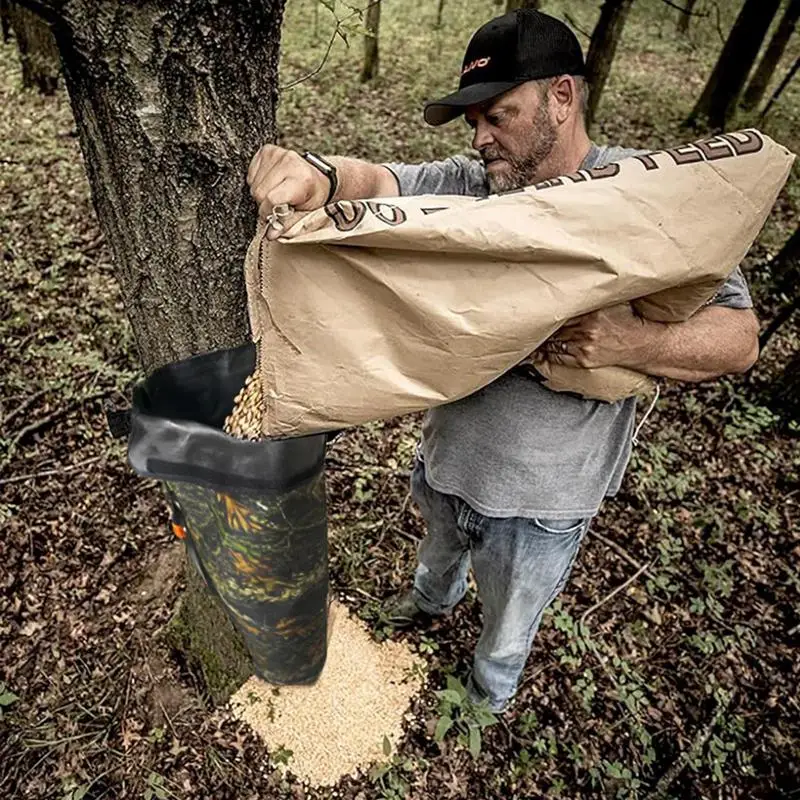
(523,45)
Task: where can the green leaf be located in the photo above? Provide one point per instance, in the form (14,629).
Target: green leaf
(455,685)
(442,726)
(474,741)
(450,696)
(7,697)
(80,793)
(387,746)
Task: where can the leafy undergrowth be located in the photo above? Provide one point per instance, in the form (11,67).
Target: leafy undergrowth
(682,684)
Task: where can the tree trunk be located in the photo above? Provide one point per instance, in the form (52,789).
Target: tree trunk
(370,69)
(779,91)
(603,46)
(439,13)
(512,5)
(777,45)
(785,393)
(5,20)
(171,100)
(685,17)
(785,268)
(721,93)
(38,53)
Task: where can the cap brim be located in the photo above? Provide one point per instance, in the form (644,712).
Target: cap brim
(437,112)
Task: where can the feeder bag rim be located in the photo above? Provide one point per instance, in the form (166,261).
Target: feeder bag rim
(190,452)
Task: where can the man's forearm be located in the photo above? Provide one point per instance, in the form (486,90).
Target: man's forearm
(716,341)
(359,179)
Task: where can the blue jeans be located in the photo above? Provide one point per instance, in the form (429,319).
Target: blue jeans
(520,566)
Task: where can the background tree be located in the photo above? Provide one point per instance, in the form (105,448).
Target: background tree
(372,23)
(777,45)
(685,17)
(738,55)
(602,48)
(783,84)
(511,5)
(38,53)
(439,13)
(169,113)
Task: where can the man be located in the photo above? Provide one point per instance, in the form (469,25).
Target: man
(510,477)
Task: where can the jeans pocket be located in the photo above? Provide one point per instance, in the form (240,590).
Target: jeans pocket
(559,526)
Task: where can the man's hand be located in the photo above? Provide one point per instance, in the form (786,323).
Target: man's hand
(715,341)
(277,176)
(611,337)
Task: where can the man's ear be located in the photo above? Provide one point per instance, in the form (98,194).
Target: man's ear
(564,92)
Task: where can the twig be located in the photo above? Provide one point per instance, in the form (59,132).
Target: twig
(614,592)
(618,549)
(52,417)
(327,52)
(684,11)
(575,25)
(23,406)
(699,741)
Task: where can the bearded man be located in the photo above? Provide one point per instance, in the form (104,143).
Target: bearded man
(509,478)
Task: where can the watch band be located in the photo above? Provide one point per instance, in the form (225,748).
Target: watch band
(327,169)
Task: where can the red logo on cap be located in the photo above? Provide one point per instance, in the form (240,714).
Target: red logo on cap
(476,64)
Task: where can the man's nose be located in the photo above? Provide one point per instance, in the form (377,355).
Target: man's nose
(482,137)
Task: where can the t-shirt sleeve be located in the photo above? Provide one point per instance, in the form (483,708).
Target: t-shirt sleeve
(455,175)
(734,293)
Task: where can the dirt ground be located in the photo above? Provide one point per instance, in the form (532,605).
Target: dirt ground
(683,684)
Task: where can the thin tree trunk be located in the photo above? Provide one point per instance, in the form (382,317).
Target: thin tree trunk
(602,48)
(512,5)
(777,45)
(685,17)
(785,269)
(721,93)
(370,69)
(779,91)
(5,20)
(439,13)
(166,142)
(38,53)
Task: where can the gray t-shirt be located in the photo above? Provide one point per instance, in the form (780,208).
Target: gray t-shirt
(515,448)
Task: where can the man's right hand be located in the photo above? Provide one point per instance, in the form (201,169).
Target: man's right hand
(277,176)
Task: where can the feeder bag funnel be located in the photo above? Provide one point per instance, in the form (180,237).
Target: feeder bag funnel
(254,512)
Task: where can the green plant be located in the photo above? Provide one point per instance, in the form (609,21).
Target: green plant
(7,699)
(459,713)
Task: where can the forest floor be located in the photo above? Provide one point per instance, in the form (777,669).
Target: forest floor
(682,685)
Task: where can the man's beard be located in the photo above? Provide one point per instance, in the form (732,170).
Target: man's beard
(521,170)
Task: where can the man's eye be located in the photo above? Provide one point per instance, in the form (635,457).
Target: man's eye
(494,119)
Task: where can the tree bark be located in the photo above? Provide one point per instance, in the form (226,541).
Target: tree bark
(439,13)
(171,100)
(777,45)
(721,93)
(602,48)
(785,268)
(373,21)
(512,5)
(787,79)
(38,53)
(684,18)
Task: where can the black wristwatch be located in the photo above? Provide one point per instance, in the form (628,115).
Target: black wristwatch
(327,169)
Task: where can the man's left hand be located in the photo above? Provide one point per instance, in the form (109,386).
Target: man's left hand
(613,336)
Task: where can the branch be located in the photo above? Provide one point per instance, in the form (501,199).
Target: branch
(574,25)
(684,11)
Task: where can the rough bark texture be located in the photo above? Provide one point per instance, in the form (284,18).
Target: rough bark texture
(721,93)
(685,17)
(171,100)
(372,23)
(511,5)
(603,46)
(38,53)
(777,45)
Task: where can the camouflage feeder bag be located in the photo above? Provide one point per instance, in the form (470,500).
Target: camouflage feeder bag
(253,513)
